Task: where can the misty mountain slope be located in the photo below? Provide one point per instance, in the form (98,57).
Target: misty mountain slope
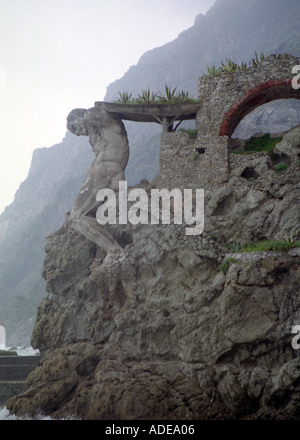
(39,208)
(49,166)
(232,28)
(291,45)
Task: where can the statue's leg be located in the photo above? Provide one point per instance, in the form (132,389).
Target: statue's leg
(90,229)
(82,217)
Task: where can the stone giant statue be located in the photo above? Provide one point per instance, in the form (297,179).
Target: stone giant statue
(108,138)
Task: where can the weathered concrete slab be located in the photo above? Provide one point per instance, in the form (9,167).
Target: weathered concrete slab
(152,112)
(7,353)
(15,372)
(17,368)
(19,360)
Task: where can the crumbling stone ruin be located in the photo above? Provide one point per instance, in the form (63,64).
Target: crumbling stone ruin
(226,98)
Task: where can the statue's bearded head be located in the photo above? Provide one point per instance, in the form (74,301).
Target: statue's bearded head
(76,123)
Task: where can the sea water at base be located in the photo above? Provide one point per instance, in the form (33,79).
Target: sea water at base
(5,415)
(21,351)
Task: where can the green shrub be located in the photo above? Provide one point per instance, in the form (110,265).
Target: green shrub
(255,145)
(212,70)
(195,155)
(192,133)
(289,240)
(265,246)
(226,265)
(281,167)
(256,60)
(234,246)
(124,98)
(147,97)
(264,143)
(170,97)
(291,236)
(231,66)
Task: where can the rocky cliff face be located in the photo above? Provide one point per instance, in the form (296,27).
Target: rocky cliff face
(164,333)
(231,29)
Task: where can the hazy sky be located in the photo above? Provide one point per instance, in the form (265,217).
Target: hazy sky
(56,55)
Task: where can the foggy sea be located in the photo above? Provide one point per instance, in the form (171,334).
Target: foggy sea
(21,351)
(5,415)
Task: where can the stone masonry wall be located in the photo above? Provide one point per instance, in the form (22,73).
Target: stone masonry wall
(226,98)
(189,163)
(221,92)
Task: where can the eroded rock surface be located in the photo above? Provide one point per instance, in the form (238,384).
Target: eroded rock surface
(163,333)
(175,339)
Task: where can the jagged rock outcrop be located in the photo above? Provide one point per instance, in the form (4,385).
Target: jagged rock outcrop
(56,173)
(164,333)
(175,340)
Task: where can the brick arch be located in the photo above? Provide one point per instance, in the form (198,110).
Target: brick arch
(257,96)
